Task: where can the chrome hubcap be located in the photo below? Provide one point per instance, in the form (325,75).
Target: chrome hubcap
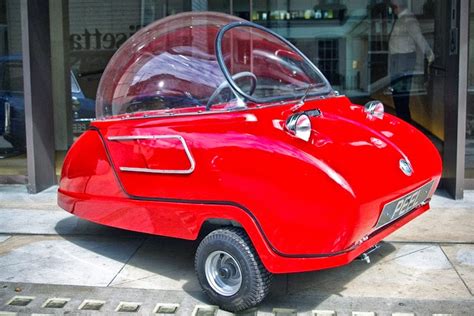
(223,273)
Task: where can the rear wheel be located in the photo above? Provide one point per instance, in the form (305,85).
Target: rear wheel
(230,271)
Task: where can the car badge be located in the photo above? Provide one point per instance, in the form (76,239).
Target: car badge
(405,166)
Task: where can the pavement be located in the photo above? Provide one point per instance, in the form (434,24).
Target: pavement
(52,263)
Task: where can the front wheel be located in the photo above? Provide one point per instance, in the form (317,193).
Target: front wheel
(230,271)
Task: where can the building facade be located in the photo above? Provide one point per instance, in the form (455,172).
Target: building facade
(52,55)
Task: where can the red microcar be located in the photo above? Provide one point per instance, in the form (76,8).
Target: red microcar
(204,119)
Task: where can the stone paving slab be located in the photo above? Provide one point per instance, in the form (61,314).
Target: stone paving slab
(454,225)
(189,302)
(398,270)
(403,270)
(44,222)
(21,221)
(16,196)
(52,259)
(462,258)
(419,271)
(441,199)
(162,264)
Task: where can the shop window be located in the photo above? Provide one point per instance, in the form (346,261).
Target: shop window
(12,103)
(328,56)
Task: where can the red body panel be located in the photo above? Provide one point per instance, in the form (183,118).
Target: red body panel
(305,205)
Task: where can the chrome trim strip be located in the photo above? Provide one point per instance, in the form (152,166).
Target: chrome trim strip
(159,171)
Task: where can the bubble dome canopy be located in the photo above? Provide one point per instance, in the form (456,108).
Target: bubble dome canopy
(198,61)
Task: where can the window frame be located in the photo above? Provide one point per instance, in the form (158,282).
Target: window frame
(236,89)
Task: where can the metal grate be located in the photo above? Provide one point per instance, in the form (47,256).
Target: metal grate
(249,312)
(205,310)
(284,312)
(56,302)
(165,308)
(20,300)
(91,305)
(324,313)
(128,307)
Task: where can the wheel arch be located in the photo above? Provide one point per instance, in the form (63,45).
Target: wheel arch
(243,220)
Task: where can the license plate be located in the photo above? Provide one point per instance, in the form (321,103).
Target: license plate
(403,205)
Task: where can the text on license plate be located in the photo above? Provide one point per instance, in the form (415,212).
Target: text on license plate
(403,205)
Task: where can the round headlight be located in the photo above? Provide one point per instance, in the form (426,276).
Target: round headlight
(374,108)
(300,126)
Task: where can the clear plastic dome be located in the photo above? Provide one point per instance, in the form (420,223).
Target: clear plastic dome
(174,66)
(170,63)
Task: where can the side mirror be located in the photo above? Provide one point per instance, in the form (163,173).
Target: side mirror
(299,125)
(388,91)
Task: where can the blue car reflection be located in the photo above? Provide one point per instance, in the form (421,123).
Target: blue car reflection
(12,105)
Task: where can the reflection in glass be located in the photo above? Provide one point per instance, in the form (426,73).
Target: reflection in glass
(470,102)
(349,41)
(392,51)
(405,39)
(12,107)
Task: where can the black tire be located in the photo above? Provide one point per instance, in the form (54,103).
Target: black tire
(255,279)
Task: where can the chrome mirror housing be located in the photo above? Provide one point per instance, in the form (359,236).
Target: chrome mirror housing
(374,109)
(299,125)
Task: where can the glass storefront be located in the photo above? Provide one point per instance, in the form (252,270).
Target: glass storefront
(352,42)
(12,113)
(395,51)
(385,50)
(470,101)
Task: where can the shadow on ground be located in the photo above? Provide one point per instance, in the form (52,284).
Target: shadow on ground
(168,264)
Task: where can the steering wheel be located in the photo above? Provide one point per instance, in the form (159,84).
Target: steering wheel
(225,84)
